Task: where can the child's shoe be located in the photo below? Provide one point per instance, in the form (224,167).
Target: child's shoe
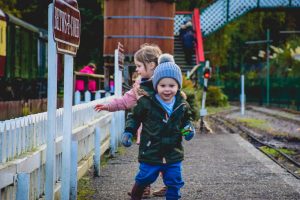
(146,193)
(161,192)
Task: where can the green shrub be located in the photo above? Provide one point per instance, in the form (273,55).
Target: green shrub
(215,97)
(193,97)
(194,101)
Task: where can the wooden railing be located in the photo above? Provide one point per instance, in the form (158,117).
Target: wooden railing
(14,109)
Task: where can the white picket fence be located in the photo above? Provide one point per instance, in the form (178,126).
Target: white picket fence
(23,144)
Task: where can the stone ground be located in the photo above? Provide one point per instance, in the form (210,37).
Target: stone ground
(274,125)
(216,166)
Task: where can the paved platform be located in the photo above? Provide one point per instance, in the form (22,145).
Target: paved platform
(216,166)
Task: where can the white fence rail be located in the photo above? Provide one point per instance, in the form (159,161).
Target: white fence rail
(23,145)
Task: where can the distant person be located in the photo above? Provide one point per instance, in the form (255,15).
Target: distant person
(79,85)
(187,19)
(182,31)
(8,93)
(188,43)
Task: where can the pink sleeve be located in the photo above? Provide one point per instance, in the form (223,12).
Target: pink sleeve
(125,102)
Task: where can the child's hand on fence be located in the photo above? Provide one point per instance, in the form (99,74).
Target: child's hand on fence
(127,139)
(188,132)
(100,107)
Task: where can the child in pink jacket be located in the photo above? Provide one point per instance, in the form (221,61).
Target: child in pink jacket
(88,69)
(146,60)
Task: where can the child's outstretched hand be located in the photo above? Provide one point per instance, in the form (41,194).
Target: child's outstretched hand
(100,107)
(188,132)
(138,91)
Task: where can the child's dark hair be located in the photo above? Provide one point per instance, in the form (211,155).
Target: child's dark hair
(148,53)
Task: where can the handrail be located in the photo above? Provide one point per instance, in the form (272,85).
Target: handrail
(90,75)
(198,34)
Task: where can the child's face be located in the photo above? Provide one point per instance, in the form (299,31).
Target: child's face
(167,89)
(144,71)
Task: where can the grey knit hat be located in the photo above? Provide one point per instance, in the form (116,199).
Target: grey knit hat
(167,70)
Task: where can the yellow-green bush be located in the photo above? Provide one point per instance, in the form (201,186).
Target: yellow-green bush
(193,97)
(215,97)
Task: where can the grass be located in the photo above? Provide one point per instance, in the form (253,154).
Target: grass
(256,123)
(273,152)
(85,189)
(215,110)
(269,151)
(262,125)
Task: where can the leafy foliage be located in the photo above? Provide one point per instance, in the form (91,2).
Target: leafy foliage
(283,63)
(193,97)
(215,97)
(227,46)
(183,5)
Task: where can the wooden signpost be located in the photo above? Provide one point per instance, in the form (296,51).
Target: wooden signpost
(64,38)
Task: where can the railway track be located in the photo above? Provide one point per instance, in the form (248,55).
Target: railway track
(290,162)
(285,118)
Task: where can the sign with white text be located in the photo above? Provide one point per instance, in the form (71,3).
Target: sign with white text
(66,26)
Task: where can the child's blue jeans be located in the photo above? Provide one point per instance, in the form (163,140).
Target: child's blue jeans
(171,176)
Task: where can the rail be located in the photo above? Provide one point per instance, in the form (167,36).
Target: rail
(198,34)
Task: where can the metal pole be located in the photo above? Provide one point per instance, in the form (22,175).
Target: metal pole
(51,106)
(67,127)
(203,111)
(268,67)
(242,95)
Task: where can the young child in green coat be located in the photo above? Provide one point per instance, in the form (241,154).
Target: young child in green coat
(165,116)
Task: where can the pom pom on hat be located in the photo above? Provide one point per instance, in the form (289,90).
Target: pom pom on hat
(165,58)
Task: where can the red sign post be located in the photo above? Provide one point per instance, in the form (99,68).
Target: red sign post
(66,26)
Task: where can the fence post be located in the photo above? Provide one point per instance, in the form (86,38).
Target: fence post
(2,142)
(97,156)
(113,136)
(97,95)
(87,96)
(73,179)
(77,97)
(67,128)
(23,186)
(107,94)
(51,107)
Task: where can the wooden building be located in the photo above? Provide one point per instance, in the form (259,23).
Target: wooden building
(135,22)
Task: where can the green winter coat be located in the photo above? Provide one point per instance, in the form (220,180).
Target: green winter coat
(161,139)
